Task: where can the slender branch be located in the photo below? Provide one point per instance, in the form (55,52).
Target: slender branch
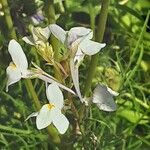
(99,38)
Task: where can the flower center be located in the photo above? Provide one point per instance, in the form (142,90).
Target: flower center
(50,106)
(12,65)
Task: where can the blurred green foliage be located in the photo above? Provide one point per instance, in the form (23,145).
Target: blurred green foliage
(126,129)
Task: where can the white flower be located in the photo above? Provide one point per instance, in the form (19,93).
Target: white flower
(78,40)
(39,36)
(103,97)
(18,68)
(51,113)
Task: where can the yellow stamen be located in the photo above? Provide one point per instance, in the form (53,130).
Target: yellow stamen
(12,65)
(50,106)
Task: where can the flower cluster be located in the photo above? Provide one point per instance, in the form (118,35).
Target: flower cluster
(78,44)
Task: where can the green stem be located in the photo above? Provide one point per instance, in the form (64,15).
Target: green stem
(56,46)
(50,11)
(92,18)
(99,38)
(8,19)
(31,91)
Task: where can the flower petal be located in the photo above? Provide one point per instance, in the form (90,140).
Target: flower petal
(40,34)
(28,40)
(79,56)
(103,98)
(34,114)
(79,31)
(75,78)
(34,34)
(45,32)
(76,35)
(17,55)
(14,75)
(60,121)
(112,92)
(44,117)
(58,32)
(51,80)
(90,47)
(55,95)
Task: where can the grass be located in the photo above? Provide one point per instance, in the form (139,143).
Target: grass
(124,65)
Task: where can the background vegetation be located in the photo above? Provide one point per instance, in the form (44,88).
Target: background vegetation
(124,64)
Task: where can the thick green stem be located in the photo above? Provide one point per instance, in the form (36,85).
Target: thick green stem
(31,91)
(8,19)
(92,18)
(99,38)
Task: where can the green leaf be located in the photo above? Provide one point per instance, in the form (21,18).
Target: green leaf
(133,116)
